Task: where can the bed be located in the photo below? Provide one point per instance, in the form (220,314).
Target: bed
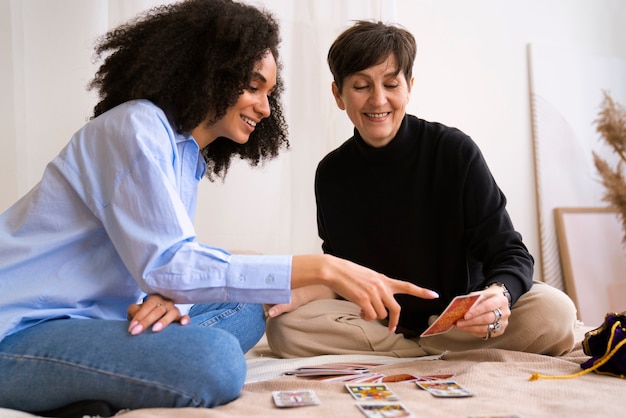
(498,380)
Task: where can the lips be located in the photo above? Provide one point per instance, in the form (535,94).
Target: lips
(249,121)
(377,115)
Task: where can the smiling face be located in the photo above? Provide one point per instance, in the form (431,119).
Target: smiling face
(375,100)
(251,107)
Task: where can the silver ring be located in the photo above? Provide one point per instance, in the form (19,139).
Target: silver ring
(498,315)
(495,327)
(492,329)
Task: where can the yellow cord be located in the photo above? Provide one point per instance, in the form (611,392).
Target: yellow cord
(607,356)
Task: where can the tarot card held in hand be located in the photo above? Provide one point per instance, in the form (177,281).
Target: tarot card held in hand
(455,311)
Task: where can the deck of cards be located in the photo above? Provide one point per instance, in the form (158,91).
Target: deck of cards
(355,372)
(455,311)
(331,369)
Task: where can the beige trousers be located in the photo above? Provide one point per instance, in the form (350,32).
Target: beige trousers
(542,321)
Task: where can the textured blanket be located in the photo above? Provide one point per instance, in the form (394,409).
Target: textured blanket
(498,380)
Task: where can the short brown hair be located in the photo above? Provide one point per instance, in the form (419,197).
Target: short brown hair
(368,43)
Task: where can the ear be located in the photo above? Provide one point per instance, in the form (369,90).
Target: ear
(410,87)
(337,96)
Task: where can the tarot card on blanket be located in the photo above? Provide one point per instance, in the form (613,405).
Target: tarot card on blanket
(384,410)
(455,311)
(371,392)
(445,389)
(294,398)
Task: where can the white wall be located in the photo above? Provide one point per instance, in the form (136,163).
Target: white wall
(471,72)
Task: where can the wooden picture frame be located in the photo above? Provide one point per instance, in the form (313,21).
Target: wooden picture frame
(593,260)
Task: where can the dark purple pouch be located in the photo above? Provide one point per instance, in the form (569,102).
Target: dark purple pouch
(607,346)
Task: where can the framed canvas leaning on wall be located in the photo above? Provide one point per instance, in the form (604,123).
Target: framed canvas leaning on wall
(593,259)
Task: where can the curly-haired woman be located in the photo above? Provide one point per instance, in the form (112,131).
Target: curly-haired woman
(183,89)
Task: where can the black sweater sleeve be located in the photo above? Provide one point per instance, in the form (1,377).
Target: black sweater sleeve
(492,242)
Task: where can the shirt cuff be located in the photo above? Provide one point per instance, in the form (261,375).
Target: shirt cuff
(259,278)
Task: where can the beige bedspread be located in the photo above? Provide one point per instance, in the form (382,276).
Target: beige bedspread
(499,380)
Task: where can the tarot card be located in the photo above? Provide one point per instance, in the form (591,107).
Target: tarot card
(400,377)
(371,392)
(455,311)
(384,409)
(445,389)
(294,398)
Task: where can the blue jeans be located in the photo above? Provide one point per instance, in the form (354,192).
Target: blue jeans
(59,362)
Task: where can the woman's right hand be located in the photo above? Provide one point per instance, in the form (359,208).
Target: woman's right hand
(156,312)
(371,291)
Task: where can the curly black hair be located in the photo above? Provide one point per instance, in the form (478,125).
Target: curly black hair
(193,59)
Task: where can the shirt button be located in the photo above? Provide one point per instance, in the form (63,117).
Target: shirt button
(269,279)
(242,278)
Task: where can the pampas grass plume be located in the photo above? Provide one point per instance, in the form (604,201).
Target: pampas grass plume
(611,125)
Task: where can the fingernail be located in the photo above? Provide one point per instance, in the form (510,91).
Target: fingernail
(434,294)
(271,313)
(132,325)
(393,330)
(137,330)
(184,321)
(157,327)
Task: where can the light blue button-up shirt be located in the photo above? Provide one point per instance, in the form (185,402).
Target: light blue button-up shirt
(112,220)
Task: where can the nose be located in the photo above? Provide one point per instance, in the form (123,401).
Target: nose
(262,107)
(378,97)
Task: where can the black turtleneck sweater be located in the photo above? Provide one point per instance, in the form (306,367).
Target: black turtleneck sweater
(425,209)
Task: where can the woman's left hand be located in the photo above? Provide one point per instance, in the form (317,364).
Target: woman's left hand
(155,311)
(489,316)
